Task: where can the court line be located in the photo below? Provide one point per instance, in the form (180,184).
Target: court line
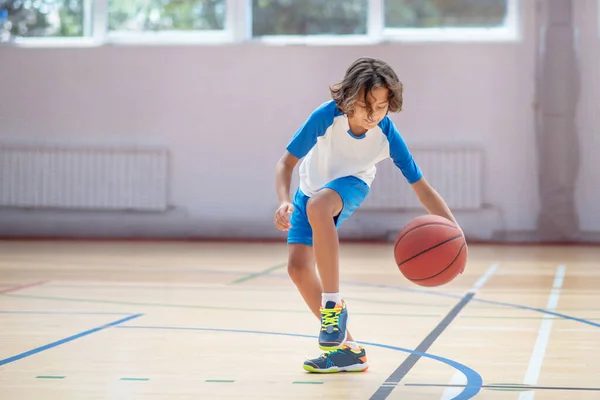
(65,340)
(541,343)
(450,392)
(485,277)
(20,312)
(200,307)
(21,287)
(144,304)
(257,274)
(223,308)
(498,303)
(507,386)
(474,380)
(223,286)
(438,294)
(394,379)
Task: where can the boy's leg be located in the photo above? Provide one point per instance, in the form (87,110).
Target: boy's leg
(326,211)
(301,260)
(321,210)
(301,268)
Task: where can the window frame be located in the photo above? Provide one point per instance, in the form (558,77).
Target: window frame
(238,29)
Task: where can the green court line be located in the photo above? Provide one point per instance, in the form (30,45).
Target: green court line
(253,275)
(131,303)
(134,379)
(49,377)
(510,387)
(136,303)
(220,380)
(307,383)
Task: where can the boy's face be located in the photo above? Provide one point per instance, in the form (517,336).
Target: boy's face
(378,100)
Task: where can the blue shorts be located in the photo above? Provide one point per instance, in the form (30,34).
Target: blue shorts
(353,192)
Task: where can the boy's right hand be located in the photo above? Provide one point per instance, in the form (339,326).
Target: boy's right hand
(282,216)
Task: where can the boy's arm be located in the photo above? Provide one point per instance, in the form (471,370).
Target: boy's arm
(402,157)
(301,143)
(283,176)
(433,201)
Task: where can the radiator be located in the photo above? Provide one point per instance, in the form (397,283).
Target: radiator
(84,178)
(455,173)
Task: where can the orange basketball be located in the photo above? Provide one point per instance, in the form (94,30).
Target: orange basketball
(430,251)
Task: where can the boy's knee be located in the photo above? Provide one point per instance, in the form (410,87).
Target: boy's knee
(324,204)
(297,271)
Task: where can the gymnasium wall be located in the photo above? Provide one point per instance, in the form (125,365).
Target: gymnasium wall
(227,112)
(587,16)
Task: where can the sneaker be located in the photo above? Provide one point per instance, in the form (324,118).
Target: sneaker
(344,359)
(333,325)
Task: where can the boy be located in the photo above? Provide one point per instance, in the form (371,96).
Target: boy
(341,141)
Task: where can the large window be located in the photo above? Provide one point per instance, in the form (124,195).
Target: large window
(287,21)
(445,13)
(45,18)
(309,17)
(161,15)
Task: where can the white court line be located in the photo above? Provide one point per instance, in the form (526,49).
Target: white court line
(459,378)
(494,328)
(484,278)
(539,349)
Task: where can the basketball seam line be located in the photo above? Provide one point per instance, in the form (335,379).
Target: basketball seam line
(421,226)
(449,265)
(430,248)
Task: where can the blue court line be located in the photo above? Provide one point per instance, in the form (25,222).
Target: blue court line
(497,303)
(65,340)
(447,295)
(19,312)
(472,387)
(432,293)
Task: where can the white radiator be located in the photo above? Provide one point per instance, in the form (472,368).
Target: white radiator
(91,178)
(455,173)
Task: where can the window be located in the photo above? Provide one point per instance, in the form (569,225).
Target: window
(309,17)
(93,22)
(445,13)
(450,20)
(160,15)
(46,18)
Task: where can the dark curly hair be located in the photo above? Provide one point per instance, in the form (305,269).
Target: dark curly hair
(367,73)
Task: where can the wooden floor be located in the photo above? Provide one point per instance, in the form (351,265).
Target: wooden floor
(134,320)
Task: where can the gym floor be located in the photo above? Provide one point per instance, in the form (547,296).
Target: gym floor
(207,320)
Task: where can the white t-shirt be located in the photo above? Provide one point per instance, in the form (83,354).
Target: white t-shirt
(331,151)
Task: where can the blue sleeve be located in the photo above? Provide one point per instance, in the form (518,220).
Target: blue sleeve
(316,125)
(399,152)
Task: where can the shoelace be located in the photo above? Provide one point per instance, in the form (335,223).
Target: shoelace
(330,318)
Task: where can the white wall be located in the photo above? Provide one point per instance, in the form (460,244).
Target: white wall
(211,104)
